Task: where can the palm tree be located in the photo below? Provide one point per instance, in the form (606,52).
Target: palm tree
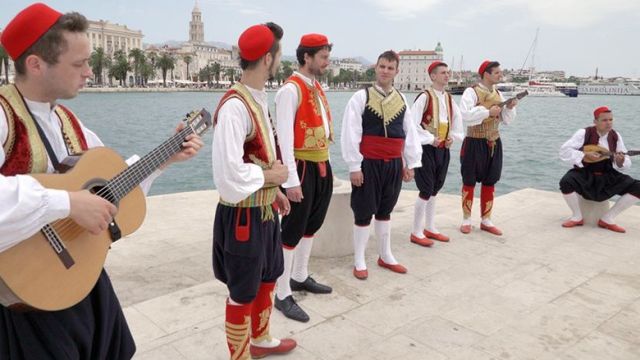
(165,63)
(138,59)
(187,60)
(120,67)
(215,68)
(4,59)
(230,73)
(287,70)
(146,71)
(98,62)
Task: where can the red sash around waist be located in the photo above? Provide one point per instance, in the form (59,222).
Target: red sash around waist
(381,148)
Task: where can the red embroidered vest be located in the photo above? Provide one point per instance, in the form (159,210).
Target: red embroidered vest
(431,115)
(24,150)
(309,136)
(257,145)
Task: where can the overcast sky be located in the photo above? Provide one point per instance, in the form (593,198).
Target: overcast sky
(575,35)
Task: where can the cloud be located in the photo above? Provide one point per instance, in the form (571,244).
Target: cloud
(403,9)
(578,13)
(570,14)
(242,7)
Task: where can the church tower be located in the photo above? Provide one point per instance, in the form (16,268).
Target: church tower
(196,26)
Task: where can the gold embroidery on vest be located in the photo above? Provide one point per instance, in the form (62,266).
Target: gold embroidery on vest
(68,132)
(39,162)
(489,128)
(386,107)
(435,127)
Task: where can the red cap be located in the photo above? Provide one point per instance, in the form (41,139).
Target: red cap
(434,65)
(27,27)
(314,40)
(483,67)
(600,110)
(255,42)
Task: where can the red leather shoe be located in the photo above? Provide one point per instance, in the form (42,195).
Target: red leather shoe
(395,268)
(491,229)
(422,242)
(285,346)
(572,223)
(465,229)
(436,236)
(612,227)
(360,274)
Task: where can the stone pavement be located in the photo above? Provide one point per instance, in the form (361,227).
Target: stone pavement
(538,292)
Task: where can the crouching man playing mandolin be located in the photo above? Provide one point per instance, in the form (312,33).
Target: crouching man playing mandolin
(597,153)
(51,52)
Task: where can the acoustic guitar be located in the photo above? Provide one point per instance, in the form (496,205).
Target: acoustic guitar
(58,266)
(605,154)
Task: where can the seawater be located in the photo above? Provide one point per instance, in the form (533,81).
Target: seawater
(135,123)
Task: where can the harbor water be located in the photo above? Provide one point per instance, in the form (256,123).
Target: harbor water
(135,123)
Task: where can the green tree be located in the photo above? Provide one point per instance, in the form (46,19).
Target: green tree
(230,74)
(206,73)
(287,69)
(99,61)
(138,60)
(120,67)
(147,71)
(187,60)
(165,63)
(216,69)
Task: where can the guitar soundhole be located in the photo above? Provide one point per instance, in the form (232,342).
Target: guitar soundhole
(100,188)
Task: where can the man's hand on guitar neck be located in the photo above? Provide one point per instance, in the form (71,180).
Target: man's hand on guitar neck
(512,103)
(90,211)
(619,159)
(190,147)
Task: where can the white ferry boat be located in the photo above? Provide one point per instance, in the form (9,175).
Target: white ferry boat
(609,89)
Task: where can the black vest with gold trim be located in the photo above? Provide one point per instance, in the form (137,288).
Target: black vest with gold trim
(383,115)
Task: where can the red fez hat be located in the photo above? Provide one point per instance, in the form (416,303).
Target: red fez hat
(27,27)
(600,110)
(434,65)
(314,40)
(483,67)
(255,42)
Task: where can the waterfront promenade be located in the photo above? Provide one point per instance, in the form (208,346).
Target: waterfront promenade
(538,292)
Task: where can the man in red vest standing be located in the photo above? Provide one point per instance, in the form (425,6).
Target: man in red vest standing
(247,249)
(304,131)
(51,54)
(439,123)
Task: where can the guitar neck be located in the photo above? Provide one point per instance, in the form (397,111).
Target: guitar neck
(131,177)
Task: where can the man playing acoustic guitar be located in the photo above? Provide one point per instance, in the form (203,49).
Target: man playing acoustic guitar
(596,154)
(51,53)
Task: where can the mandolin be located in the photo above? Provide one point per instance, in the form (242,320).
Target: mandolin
(605,154)
(58,266)
(518,96)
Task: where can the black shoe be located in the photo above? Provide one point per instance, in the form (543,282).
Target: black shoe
(290,309)
(311,286)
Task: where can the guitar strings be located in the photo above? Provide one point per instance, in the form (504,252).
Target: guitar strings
(68,228)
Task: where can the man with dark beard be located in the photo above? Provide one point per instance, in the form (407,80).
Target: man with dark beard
(247,250)
(304,131)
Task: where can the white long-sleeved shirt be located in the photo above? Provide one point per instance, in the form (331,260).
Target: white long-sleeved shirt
(351,134)
(235,179)
(571,154)
(25,205)
(286,108)
(417,110)
(474,115)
